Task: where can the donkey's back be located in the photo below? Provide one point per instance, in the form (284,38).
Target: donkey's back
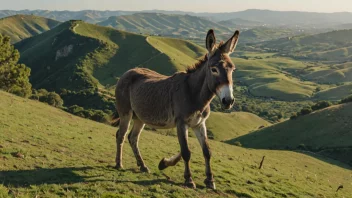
(147,95)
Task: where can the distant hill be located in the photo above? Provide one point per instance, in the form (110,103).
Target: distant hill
(19,27)
(331,46)
(290,18)
(278,18)
(164,24)
(92,16)
(78,56)
(240,23)
(327,132)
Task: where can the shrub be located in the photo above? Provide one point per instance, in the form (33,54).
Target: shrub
(293,116)
(237,143)
(96,115)
(321,105)
(346,100)
(306,111)
(50,98)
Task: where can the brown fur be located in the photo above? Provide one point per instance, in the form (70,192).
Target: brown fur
(181,101)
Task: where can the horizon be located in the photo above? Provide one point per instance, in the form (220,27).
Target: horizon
(195,6)
(53,10)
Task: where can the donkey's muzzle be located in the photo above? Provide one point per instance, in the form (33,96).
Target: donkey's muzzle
(227,103)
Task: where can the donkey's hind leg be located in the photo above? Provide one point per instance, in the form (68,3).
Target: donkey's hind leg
(133,138)
(120,138)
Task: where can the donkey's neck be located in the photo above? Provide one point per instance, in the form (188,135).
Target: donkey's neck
(201,94)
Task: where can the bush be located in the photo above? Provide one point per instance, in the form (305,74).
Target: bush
(306,111)
(96,115)
(50,98)
(346,100)
(321,105)
(293,116)
(237,143)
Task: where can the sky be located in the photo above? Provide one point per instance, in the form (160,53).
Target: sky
(183,5)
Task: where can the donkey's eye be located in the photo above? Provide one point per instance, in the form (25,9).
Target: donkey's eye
(214,70)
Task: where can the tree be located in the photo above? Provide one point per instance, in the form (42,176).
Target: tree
(14,77)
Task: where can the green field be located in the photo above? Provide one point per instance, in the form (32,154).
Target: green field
(326,131)
(64,155)
(225,126)
(267,77)
(19,27)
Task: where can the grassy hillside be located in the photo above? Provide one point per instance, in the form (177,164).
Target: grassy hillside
(331,46)
(19,27)
(260,34)
(79,56)
(268,77)
(225,126)
(63,155)
(240,23)
(326,131)
(181,53)
(164,24)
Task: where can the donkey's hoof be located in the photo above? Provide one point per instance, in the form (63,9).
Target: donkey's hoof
(119,167)
(190,184)
(162,164)
(210,184)
(144,169)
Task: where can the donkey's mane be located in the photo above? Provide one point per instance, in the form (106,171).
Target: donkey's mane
(196,66)
(200,63)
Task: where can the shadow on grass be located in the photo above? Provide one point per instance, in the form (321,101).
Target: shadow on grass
(25,178)
(69,175)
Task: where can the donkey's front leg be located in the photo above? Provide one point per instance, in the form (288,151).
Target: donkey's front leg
(201,133)
(182,133)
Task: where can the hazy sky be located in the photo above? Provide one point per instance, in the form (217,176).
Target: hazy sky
(184,5)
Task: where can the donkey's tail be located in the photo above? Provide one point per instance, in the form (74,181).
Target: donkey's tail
(115,119)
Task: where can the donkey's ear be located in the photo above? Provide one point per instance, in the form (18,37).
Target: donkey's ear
(210,41)
(230,45)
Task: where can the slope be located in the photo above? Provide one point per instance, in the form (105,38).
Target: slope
(225,126)
(63,155)
(327,131)
(19,27)
(164,24)
(331,46)
(79,56)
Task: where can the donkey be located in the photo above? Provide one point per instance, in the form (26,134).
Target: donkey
(181,100)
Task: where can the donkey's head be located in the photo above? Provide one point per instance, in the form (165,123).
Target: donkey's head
(220,68)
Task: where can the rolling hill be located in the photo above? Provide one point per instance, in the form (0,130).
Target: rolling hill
(64,155)
(240,23)
(225,126)
(266,77)
(333,46)
(78,56)
(327,132)
(164,24)
(19,27)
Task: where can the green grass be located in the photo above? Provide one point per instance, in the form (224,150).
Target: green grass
(225,126)
(336,93)
(331,46)
(267,77)
(321,131)
(64,155)
(181,53)
(19,27)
